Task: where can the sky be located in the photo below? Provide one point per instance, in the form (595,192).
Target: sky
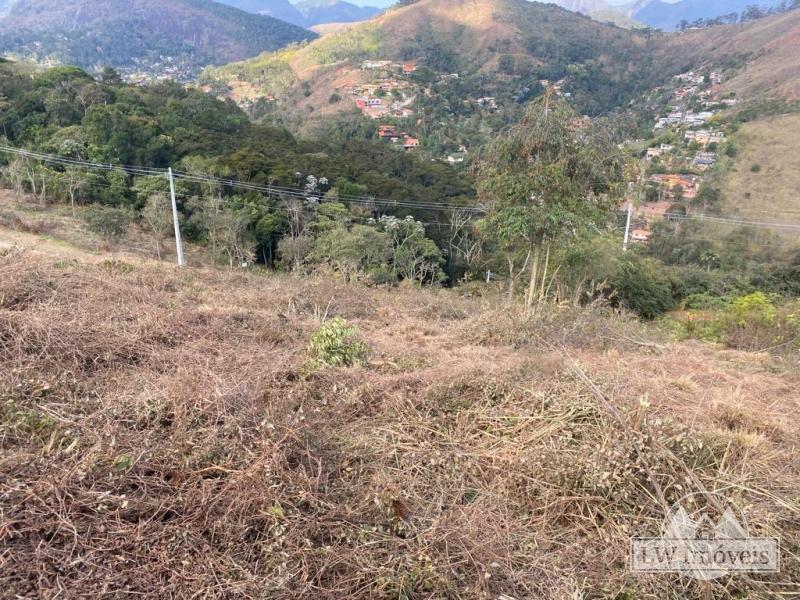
(385,3)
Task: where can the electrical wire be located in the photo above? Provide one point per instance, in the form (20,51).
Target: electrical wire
(267,189)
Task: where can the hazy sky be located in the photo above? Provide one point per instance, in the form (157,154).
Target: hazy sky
(384,3)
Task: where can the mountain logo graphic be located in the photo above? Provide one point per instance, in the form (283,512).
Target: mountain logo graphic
(705,537)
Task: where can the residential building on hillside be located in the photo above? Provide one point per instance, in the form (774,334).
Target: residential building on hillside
(658,151)
(705,137)
(388,131)
(688,184)
(376,64)
(704,160)
(693,78)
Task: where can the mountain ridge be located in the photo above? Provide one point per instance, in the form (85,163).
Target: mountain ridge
(278,9)
(125,34)
(668,15)
(308,13)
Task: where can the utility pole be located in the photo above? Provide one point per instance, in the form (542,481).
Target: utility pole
(178,242)
(628,227)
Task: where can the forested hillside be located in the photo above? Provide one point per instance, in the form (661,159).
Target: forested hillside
(65,112)
(175,38)
(496,47)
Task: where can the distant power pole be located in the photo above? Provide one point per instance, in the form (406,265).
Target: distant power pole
(628,227)
(178,242)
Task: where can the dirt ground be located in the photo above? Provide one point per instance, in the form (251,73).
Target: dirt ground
(165,434)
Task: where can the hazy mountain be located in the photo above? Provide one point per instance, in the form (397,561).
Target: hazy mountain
(334,11)
(279,9)
(308,12)
(583,6)
(131,33)
(667,16)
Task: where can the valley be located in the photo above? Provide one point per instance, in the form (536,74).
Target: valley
(471,298)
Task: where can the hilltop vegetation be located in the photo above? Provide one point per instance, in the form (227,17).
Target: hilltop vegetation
(671,16)
(176,38)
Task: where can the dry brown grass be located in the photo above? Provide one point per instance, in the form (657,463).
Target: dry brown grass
(53,229)
(160,437)
(770,192)
(771,45)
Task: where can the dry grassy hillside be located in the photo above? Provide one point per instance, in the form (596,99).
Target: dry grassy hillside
(773,47)
(764,181)
(325,28)
(163,434)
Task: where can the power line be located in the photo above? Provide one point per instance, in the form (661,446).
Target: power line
(733,221)
(770,212)
(41,176)
(424,205)
(66,161)
(266,189)
(306,194)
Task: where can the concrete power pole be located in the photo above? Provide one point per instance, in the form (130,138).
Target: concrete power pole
(628,227)
(178,242)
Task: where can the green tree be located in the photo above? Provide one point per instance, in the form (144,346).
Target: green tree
(414,256)
(359,249)
(549,180)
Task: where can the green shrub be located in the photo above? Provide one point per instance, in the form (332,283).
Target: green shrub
(642,285)
(703,301)
(754,309)
(691,281)
(111,224)
(751,322)
(337,344)
(382,276)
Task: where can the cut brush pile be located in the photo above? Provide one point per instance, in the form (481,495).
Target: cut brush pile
(167,435)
